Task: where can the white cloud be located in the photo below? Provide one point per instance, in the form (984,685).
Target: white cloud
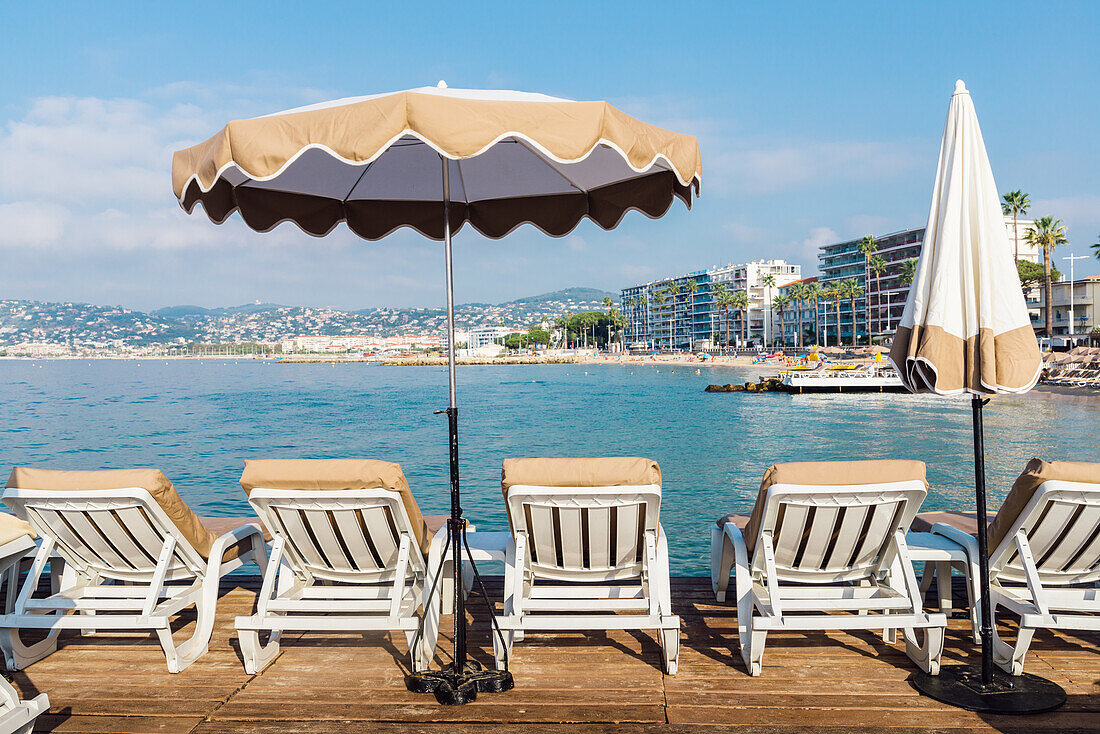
(576,243)
(32,224)
(1080,214)
(859,225)
(746,233)
(773,169)
(805,251)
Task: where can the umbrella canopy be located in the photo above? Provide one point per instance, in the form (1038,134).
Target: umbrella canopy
(374,162)
(965,327)
(433,159)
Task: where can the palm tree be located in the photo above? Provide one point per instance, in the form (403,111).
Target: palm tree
(1015,203)
(658,300)
(721,296)
(768,281)
(878,267)
(797,293)
(691,288)
(813,295)
(868,247)
(852,290)
(780,303)
(725,303)
(740,302)
(907,271)
(609,305)
(673,290)
(643,303)
(1096,248)
(628,307)
(832,294)
(1047,233)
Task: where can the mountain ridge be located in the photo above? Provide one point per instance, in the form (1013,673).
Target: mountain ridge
(75,326)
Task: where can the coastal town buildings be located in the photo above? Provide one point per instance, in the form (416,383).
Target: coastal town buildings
(313,344)
(1086,298)
(788,320)
(878,309)
(682,312)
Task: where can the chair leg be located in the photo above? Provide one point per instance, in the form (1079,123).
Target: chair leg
(973,594)
(18,655)
(182,655)
(503,652)
(721,562)
(943,586)
(257,656)
(1008,657)
(670,648)
(925,654)
(751,639)
(926,577)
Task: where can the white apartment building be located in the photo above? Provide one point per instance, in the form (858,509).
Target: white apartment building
(681,312)
(313,344)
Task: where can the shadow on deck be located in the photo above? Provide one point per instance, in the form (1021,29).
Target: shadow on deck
(835,681)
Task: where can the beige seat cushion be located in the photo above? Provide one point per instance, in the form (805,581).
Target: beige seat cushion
(12,528)
(959,519)
(615,471)
(151,480)
(1023,489)
(824,473)
(322,475)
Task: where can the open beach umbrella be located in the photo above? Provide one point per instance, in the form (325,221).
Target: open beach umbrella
(435,159)
(966,329)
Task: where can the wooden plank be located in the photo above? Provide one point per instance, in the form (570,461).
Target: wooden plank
(596,681)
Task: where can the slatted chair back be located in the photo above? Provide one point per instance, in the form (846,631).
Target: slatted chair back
(834,533)
(1061,524)
(585,533)
(118,534)
(352,535)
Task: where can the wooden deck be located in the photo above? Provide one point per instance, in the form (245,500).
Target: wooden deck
(320,683)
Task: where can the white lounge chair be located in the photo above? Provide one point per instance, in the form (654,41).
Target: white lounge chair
(347,555)
(587,542)
(824,538)
(134,556)
(16,540)
(1044,554)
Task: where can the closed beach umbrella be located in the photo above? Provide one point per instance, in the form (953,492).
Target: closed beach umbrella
(965,329)
(435,159)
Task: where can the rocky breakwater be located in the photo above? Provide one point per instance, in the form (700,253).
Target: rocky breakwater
(765,384)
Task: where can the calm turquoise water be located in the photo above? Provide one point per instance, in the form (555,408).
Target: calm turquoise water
(199,421)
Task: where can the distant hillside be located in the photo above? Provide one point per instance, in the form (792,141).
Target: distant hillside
(78,326)
(569,294)
(175,312)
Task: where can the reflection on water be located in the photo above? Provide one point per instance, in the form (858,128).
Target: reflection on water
(198,422)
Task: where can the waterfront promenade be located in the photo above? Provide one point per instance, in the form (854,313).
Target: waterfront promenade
(834,681)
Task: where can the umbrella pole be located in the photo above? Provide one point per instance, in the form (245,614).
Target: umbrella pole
(460,682)
(987,689)
(986,634)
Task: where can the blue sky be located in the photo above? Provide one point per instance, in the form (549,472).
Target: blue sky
(817,121)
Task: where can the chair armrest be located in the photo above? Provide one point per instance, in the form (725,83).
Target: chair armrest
(736,537)
(968,542)
(248,531)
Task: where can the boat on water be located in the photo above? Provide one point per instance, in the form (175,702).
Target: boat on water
(874,377)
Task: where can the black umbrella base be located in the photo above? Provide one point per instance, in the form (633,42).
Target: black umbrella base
(453,688)
(961,686)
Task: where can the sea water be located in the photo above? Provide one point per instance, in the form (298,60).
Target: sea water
(198,420)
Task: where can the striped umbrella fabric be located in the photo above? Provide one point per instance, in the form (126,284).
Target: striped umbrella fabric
(374,163)
(965,328)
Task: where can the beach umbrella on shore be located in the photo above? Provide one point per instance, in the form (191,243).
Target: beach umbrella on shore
(435,159)
(966,330)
